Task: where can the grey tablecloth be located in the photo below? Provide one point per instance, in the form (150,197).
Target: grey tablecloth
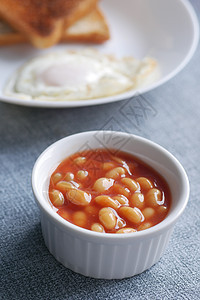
(168,115)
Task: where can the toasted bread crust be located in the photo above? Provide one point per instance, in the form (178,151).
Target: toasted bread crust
(79,11)
(40,21)
(37,15)
(91,28)
(12,39)
(9,36)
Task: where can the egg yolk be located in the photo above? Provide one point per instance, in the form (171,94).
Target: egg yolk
(69,74)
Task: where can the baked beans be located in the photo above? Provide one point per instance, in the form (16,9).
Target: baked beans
(109,193)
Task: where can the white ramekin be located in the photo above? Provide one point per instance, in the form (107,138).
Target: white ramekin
(103,255)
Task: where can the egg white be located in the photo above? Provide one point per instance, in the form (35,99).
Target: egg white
(79,75)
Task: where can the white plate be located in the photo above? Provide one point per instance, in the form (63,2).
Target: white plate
(167,30)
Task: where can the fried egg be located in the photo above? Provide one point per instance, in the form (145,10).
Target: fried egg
(80,75)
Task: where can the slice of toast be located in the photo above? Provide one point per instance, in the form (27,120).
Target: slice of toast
(9,36)
(91,28)
(80,10)
(42,22)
